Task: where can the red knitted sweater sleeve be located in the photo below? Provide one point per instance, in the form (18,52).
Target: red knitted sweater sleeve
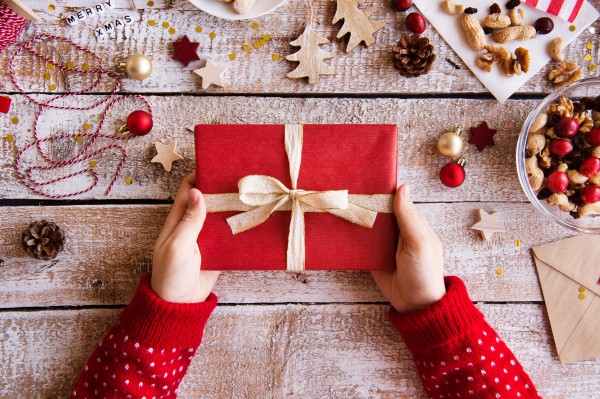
(148,352)
(458,355)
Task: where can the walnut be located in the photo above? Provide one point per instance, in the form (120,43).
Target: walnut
(546,157)
(586,125)
(494,54)
(518,63)
(579,116)
(564,74)
(564,107)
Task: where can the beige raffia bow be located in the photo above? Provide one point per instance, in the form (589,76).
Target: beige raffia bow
(262,195)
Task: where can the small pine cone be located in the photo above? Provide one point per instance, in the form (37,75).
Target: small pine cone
(413,56)
(43,240)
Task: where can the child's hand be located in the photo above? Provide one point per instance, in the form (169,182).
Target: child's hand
(176,273)
(418,281)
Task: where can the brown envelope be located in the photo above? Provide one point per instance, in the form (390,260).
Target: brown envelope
(563,267)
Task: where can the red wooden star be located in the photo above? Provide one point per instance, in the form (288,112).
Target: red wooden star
(185,51)
(482,136)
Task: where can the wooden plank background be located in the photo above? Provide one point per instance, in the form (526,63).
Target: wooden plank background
(321,334)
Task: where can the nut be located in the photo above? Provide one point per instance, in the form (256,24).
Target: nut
(536,143)
(546,157)
(452,8)
(562,201)
(497,21)
(242,6)
(494,54)
(596,152)
(586,209)
(580,117)
(511,33)
(517,15)
(555,49)
(474,31)
(534,173)
(564,107)
(575,177)
(563,167)
(564,74)
(539,122)
(587,124)
(595,180)
(518,63)
(595,115)
(550,133)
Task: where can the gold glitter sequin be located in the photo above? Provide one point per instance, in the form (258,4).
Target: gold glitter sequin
(47,76)
(9,138)
(246,47)
(50,66)
(590,45)
(172,30)
(79,139)
(256,45)
(262,42)
(92,163)
(266,37)
(150,3)
(128,181)
(255,25)
(582,296)
(572,28)
(232,57)
(588,57)
(165,25)
(582,289)
(592,67)
(275,57)
(199,29)
(592,30)
(517,243)
(70,65)
(86,126)
(52,86)
(15,120)
(152,22)
(86,67)
(212,35)
(51,7)
(499,272)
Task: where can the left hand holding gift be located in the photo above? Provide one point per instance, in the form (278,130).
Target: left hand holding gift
(418,280)
(176,273)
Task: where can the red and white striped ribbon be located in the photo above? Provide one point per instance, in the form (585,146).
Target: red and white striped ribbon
(11,26)
(565,9)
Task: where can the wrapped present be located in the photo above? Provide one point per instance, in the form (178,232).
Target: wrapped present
(297,197)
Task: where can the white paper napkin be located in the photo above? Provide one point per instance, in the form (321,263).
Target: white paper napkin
(498,83)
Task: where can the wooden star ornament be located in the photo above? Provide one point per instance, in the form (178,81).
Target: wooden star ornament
(185,51)
(483,136)
(487,224)
(211,74)
(166,155)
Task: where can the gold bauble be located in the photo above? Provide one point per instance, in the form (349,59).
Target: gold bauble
(137,66)
(450,144)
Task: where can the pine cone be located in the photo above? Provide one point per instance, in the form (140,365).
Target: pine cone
(413,56)
(43,240)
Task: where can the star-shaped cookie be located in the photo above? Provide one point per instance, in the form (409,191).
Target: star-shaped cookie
(488,224)
(482,136)
(211,74)
(166,155)
(185,51)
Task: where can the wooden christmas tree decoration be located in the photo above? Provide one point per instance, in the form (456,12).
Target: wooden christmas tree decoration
(357,23)
(310,57)
(487,224)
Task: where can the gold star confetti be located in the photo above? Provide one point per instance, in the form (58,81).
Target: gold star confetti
(172,30)
(582,289)
(79,139)
(165,25)
(92,163)
(275,57)
(590,45)
(51,7)
(9,138)
(266,37)
(128,180)
(50,66)
(86,126)
(52,86)
(572,28)
(232,57)
(588,57)
(592,67)
(199,29)
(86,67)
(47,76)
(256,45)
(582,296)
(70,65)
(212,35)
(255,25)
(246,47)
(152,22)
(15,120)
(150,3)
(262,42)
(499,272)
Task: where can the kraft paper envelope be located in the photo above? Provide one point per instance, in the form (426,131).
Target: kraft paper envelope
(563,267)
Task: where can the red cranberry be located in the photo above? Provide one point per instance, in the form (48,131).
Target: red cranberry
(590,194)
(590,167)
(566,128)
(558,181)
(593,137)
(416,23)
(401,5)
(561,147)
(544,25)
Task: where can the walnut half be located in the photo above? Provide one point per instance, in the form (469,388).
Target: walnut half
(493,55)
(518,63)
(564,74)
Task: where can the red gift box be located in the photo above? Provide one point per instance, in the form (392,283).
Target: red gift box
(357,158)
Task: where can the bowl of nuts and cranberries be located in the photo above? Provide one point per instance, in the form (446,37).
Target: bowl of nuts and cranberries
(558,156)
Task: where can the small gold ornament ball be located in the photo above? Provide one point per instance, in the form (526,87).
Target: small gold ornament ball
(450,144)
(138,66)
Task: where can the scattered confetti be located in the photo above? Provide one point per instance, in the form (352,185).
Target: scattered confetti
(582,296)
(590,45)
(592,67)
(86,126)
(15,120)
(275,57)
(572,28)
(266,37)
(232,57)
(172,30)
(588,57)
(150,3)
(582,289)
(70,65)
(51,7)
(262,42)
(517,243)
(165,25)
(499,272)
(255,25)
(212,35)
(199,29)
(246,47)
(592,30)
(86,67)
(79,139)
(128,181)
(47,76)
(52,86)
(152,22)
(50,66)
(256,45)
(9,137)
(92,163)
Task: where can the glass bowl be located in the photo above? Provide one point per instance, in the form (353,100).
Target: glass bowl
(588,224)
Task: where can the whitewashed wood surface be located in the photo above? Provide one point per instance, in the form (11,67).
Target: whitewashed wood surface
(323,334)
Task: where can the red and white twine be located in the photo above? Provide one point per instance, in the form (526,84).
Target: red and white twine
(11,26)
(82,155)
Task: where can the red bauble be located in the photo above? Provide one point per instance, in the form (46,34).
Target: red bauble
(561,147)
(590,167)
(558,182)
(452,175)
(401,5)
(590,194)
(593,137)
(415,22)
(139,123)
(566,128)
